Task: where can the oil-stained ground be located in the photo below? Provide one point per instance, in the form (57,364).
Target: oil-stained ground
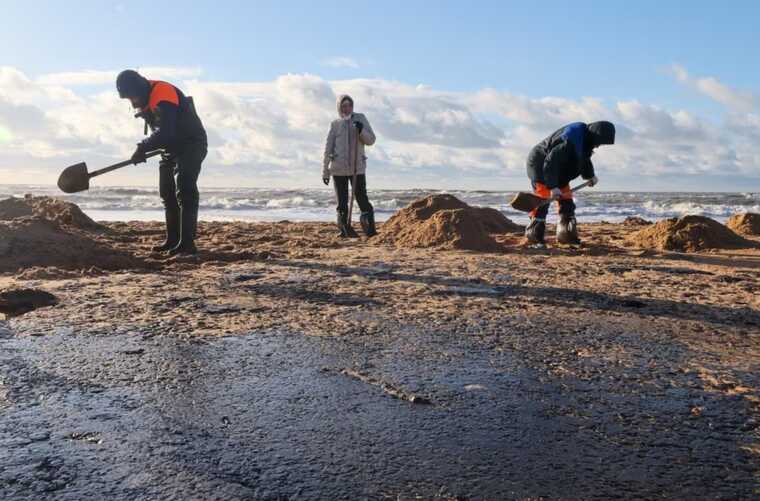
(332,370)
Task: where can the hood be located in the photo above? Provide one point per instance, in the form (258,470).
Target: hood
(342,98)
(130,83)
(601,133)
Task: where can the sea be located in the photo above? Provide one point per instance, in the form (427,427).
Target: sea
(264,204)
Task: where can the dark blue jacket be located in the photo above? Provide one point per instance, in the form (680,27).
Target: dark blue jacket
(566,154)
(172,119)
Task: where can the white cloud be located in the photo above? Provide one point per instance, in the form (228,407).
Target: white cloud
(276,129)
(341,62)
(715,90)
(108,77)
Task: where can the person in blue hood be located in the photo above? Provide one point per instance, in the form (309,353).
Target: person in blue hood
(552,164)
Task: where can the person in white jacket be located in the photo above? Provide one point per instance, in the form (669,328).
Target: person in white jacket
(346,162)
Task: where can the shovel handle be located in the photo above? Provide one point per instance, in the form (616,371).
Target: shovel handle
(120,164)
(577,188)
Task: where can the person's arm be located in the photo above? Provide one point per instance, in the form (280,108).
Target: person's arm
(587,169)
(166,133)
(367,135)
(555,160)
(329,152)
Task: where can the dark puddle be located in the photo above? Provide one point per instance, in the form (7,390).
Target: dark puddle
(274,416)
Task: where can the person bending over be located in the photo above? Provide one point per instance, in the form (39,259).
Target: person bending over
(178,131)
(556,161)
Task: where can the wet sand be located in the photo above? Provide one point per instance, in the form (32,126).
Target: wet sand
(284,363)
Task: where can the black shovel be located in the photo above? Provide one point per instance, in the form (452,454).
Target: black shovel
(526,202)
(76,178)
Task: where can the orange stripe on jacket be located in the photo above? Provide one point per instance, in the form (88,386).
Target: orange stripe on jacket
(162,92)
(543,191)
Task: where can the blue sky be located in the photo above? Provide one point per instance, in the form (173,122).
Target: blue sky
(610,51)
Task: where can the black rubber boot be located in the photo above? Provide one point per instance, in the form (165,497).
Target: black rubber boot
(189,224)
(567,231)
(346,230)
(535,231)
(367,221)
(172,231)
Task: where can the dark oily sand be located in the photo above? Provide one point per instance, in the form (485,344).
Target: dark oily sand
(15,302)
(273,416)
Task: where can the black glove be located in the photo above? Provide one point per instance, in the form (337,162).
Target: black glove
(359,126)
(326,180)
(138,157)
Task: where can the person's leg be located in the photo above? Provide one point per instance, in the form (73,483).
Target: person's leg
(367,218)
(567,228)
(566,202)
(536,229)
(340,183)
(167,191)
(188,169)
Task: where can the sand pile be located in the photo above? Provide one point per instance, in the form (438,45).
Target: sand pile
(54,210)
(46,233)
(747,224)
(443,221)
(687,234)
(35,241)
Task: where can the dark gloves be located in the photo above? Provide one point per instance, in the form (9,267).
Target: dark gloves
(326,180)
(138,157)
(359,126)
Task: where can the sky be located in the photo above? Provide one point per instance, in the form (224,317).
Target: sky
(457,92)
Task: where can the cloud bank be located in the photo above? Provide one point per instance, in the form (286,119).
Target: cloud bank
(273,132)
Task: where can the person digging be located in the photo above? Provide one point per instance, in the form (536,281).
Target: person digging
(178,131)
(345,161)
(552,164)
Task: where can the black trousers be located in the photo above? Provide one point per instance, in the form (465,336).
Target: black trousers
(178,178)
(360,193)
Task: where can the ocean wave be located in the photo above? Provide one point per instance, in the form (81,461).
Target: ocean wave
(279,203)
(319,203)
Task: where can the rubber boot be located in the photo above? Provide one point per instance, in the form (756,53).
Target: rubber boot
(567,231)
(367,221)
(189,223)
(535,231)
(172,231)
(346,230)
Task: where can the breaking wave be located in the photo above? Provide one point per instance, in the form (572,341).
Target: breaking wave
(122,203)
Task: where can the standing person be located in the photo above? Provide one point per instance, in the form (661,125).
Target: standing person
(556,161)
(178,131)
(345,160)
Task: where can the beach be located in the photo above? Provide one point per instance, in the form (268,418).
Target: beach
(283,362)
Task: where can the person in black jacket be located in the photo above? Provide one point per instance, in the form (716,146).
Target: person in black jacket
(178,131)
(556,161)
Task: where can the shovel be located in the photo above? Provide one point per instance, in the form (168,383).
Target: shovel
(526,202)
(76,178)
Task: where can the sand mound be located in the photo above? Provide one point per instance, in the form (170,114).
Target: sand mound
(51,209)
(687,234)
(636,221)
(35,241)
(443,221)
(747,224)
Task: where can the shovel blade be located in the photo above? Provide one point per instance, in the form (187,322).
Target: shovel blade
(526,202)
(74,179)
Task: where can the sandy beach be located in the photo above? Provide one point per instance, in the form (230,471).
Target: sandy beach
(285,363)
